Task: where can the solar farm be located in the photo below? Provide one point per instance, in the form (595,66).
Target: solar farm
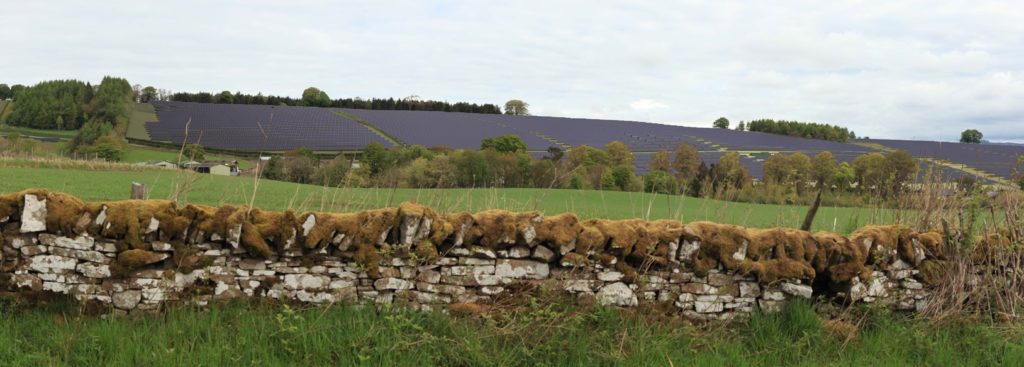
(256,128)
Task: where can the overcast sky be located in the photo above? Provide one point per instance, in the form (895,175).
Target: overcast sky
(916,70)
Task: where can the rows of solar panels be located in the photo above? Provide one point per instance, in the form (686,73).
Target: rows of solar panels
(276,128)
(995,159)
(257,128)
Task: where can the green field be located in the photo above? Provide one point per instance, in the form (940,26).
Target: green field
(540,333)
(137,118)
(24,131)
(108,185)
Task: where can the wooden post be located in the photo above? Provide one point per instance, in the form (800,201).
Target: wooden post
(138,191)
(809,219)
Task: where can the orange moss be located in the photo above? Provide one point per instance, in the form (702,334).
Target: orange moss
(559,230)
(718,244)
(771,271)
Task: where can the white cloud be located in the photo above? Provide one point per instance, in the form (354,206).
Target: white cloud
(908,69)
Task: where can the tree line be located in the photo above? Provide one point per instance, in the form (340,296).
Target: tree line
(99,113)
(504,162)
(811,130)
(317,98)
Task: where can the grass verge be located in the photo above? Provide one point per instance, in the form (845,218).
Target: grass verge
(539,334)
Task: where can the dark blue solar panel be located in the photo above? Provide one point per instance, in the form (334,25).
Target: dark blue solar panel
(992,158)
(258,128)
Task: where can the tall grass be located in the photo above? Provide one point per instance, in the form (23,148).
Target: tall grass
(535,333)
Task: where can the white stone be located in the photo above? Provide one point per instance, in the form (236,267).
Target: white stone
(393,283)
(33,250)
(94,270)
(94,256)
(578,285)
(33,214)
(305,281)
(773,295)
(77,243)
(877,288)
(154,225)
(521,269)
(491,290)
(741,253)
(341,284)
(162,246)
(51,263)
(609,276)
(750,289)
(708,306)
(127,300)
(543,253)
(308,225)
(687,250)
(617,294)
(18,242)
(799,290)
(102,217)
(519,252)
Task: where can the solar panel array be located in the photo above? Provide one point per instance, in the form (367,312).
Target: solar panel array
(995,159)
(258,128)
(457,130)
(251,127)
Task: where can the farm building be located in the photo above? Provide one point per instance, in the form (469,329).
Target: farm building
(217,168)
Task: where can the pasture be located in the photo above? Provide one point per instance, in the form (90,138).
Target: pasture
(276,195)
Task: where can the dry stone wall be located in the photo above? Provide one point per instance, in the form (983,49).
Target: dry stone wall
(142,256)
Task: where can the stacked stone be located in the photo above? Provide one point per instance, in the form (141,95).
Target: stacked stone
(81,266)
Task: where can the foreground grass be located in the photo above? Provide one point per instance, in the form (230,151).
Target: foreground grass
(275,195)
(553,334)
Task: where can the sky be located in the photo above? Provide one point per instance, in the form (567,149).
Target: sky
(885,69)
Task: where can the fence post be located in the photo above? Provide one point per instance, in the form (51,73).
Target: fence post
(138,191)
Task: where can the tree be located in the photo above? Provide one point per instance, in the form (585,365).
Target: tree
(619,154)
(730,172)
(16,90)
(332,173)
(554,154)
(870,171)
(843,176)
(902,169)
(971,136)
(659,162)
(149,94)
(194,152)
(226,97)
(686,162)
(506,144)
(741,126)
(517,107)
(298,165)
(5,92)
(823,166)
(721,123)
(315,98)
(375,158)
(791,169)
(661,182)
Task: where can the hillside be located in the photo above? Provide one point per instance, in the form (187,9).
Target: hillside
(279,128)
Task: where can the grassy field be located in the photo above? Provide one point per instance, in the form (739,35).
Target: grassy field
(139,115)
(542,334)
(109,185)
(61,134)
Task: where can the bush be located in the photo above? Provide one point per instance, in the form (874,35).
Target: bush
(661,182)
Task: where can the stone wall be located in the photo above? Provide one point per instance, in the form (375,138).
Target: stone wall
(412,256)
